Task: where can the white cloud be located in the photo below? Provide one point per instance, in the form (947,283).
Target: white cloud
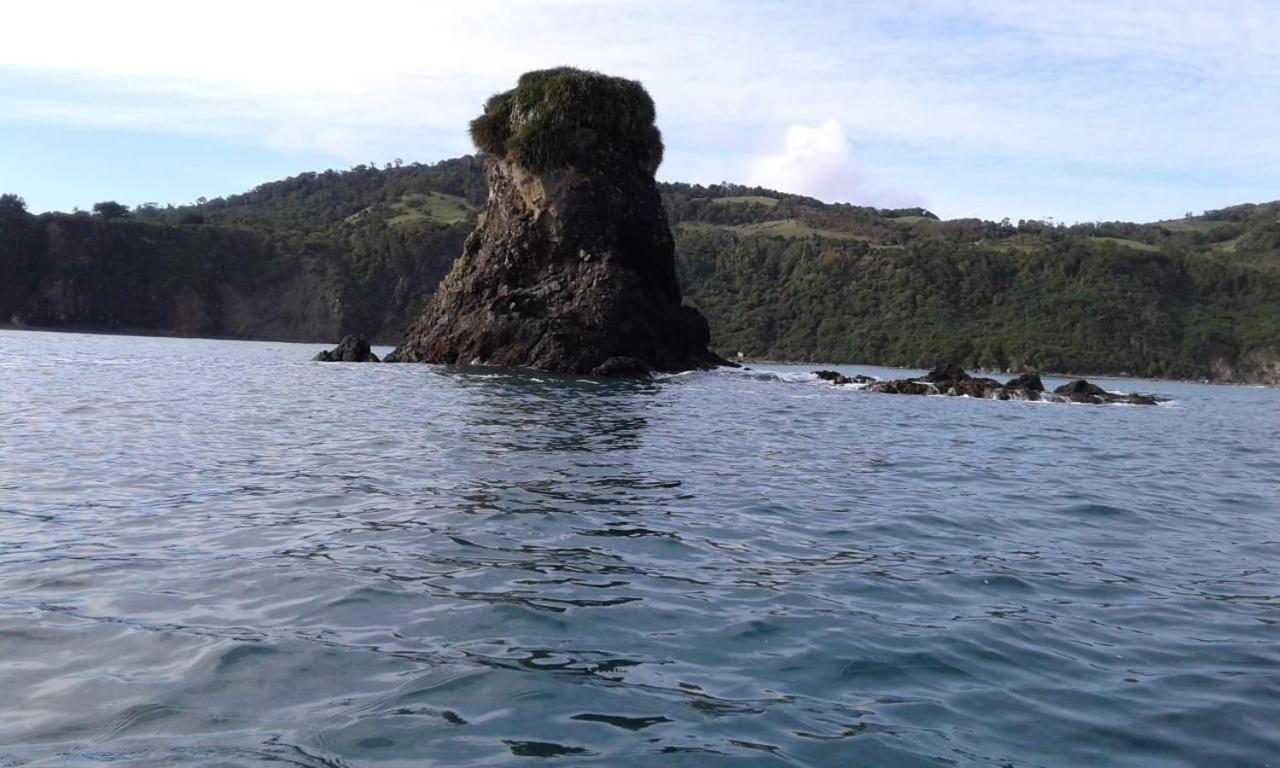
(815,160)
(818,161)
(1137,92)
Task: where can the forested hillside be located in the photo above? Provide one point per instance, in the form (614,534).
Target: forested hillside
(778,276)
(305,259)
(787,278)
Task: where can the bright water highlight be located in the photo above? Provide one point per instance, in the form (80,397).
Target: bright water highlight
(217,553)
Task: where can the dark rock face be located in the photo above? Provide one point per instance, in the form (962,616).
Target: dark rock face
(573,265)
(1081,391)
(953,381)
(950,379)
(622,368)
(948,373)
(988,389)
(837,378)
(352,349)
(903,387)
(1026,381)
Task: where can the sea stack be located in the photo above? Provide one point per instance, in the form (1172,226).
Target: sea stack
(572,267)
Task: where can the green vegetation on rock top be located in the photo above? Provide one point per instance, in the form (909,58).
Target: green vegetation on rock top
(566,117)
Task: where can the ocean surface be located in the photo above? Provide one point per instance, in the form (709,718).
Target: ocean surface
(217,553)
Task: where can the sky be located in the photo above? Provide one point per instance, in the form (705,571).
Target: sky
(1075,110)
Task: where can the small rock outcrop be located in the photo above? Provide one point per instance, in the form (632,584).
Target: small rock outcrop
(1029,382)
(953,381)
(1081,391)
(622,368)
(903,387)
(950,379)
(572,267)
(835,377)
(352,349)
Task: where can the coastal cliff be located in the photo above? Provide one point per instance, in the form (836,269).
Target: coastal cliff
(778,276)
(312,258)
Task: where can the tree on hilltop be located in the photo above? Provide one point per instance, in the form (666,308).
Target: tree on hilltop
(110,209)
(12,205)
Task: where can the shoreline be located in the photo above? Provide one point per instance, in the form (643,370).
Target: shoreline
(746,361)
(147,334)
(8,326)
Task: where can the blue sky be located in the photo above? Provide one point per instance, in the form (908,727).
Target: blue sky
(1079,110)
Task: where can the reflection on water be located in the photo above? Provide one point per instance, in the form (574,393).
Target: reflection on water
(217,553)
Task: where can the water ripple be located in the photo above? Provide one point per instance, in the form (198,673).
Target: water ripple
(217,553)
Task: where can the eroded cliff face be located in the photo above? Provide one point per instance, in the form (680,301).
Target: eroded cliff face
(121,277)
(573,263)
(565,271)
(76,273)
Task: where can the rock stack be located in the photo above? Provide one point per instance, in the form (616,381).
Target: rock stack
(572,267)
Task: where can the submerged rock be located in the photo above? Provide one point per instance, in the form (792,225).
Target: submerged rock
(572,267)
(352,349)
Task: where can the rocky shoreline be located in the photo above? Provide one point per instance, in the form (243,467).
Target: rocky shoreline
(951,380)
(945,380)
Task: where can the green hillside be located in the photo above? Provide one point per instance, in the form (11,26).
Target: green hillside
(778,276)
(308,258)
(799,280)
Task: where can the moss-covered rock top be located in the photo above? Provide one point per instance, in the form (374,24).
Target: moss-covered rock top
(556,118)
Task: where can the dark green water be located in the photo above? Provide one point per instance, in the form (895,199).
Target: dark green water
(219,554)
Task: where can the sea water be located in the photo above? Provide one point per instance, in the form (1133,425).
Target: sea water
(217,553)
